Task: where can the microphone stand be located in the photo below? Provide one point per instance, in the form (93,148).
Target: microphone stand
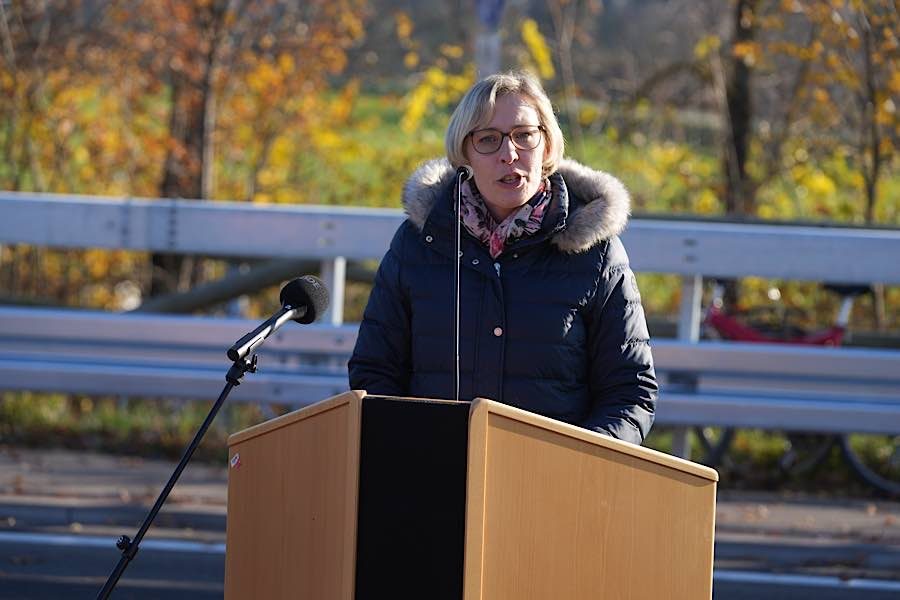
(128,546)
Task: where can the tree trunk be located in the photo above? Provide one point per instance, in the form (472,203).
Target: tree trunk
(870,147)
(188,170)
(564,17)
(182,173)
(738,200)
(487,41)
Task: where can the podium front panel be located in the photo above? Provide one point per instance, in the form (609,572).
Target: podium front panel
(292,489)
(559,512)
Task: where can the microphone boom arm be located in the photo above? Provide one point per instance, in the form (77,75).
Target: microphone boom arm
(312,297)
(253,340)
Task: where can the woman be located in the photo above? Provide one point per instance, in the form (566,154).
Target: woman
(550,314)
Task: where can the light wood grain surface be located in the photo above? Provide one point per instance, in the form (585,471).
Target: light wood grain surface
(558,512)
(292,493)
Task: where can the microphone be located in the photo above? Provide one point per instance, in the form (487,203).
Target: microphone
(464,172)
(303,300)
(308,295)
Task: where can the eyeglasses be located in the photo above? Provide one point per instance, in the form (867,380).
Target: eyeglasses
(524,137)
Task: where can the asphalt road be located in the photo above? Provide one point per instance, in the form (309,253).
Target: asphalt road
(61,511)
(52,566)
(57,567)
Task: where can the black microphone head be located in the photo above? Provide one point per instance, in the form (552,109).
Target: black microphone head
(306,291)
(465,171)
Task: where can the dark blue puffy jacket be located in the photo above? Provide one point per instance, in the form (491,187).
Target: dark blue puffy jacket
(554,325)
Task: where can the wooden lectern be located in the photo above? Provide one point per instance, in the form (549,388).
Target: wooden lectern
(371,498)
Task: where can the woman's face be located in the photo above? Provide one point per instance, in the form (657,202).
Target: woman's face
(509,177)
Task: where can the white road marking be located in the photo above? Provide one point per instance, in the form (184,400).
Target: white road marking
(804,580)
(92,541)
(722,576)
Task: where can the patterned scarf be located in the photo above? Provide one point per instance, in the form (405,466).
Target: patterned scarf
(524,222)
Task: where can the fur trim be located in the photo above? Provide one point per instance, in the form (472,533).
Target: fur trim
(606,209)
(604,214)
(422,190)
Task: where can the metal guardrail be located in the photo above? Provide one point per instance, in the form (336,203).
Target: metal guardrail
(847,255)
(92,352)
(708,383)
(779,386)
(745,385)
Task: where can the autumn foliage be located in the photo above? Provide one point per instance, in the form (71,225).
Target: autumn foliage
(266,101)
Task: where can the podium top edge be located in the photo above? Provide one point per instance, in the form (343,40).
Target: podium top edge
(293,416)
(483,405)
(480,408)
(322,406)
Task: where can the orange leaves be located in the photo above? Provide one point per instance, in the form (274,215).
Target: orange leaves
(747,52)
(403,25)
(820,95)
(264,77)
(352,24)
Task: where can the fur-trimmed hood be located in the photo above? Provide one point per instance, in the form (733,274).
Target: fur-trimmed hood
(605,210)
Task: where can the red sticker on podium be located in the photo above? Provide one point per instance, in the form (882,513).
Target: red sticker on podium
(236,461)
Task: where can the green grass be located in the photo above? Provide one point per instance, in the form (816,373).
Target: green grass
(150,428)
(164,428)
(754,462)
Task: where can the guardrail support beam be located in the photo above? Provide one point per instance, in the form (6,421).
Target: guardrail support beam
(688,331)
(334,274)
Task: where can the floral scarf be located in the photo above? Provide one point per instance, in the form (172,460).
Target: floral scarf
(524,222)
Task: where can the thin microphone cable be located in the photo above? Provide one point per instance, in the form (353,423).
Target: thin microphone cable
(462,173)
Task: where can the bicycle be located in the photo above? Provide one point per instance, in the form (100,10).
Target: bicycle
(874,459)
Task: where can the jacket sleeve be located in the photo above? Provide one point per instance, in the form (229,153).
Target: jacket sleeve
(380,363)
(622,379)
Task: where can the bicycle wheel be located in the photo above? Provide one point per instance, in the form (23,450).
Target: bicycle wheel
(745,458)
(805,451)
(875,459)
(714,444)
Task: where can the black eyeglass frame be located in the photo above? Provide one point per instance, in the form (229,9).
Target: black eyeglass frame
(503,135)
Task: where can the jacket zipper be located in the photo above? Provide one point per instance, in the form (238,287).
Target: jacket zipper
(497,268)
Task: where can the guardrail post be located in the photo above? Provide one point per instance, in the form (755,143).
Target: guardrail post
(688,331)
(334,274)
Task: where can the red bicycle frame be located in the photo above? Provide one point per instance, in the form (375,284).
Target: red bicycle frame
(728,327)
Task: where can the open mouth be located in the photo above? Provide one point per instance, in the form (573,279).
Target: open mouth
(511,179)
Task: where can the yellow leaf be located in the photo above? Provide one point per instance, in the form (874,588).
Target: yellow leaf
(819,184)
(286,63)
(707,202)
(706,45)
(404,25)
(452,50)
(538,48)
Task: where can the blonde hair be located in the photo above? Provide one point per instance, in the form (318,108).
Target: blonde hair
(477,107)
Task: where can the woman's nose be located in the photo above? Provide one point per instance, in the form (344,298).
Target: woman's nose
(508,152)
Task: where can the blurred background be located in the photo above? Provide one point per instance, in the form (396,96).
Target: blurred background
(746,110)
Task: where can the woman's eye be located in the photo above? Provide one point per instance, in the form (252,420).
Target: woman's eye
(488,138)
(525,136)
